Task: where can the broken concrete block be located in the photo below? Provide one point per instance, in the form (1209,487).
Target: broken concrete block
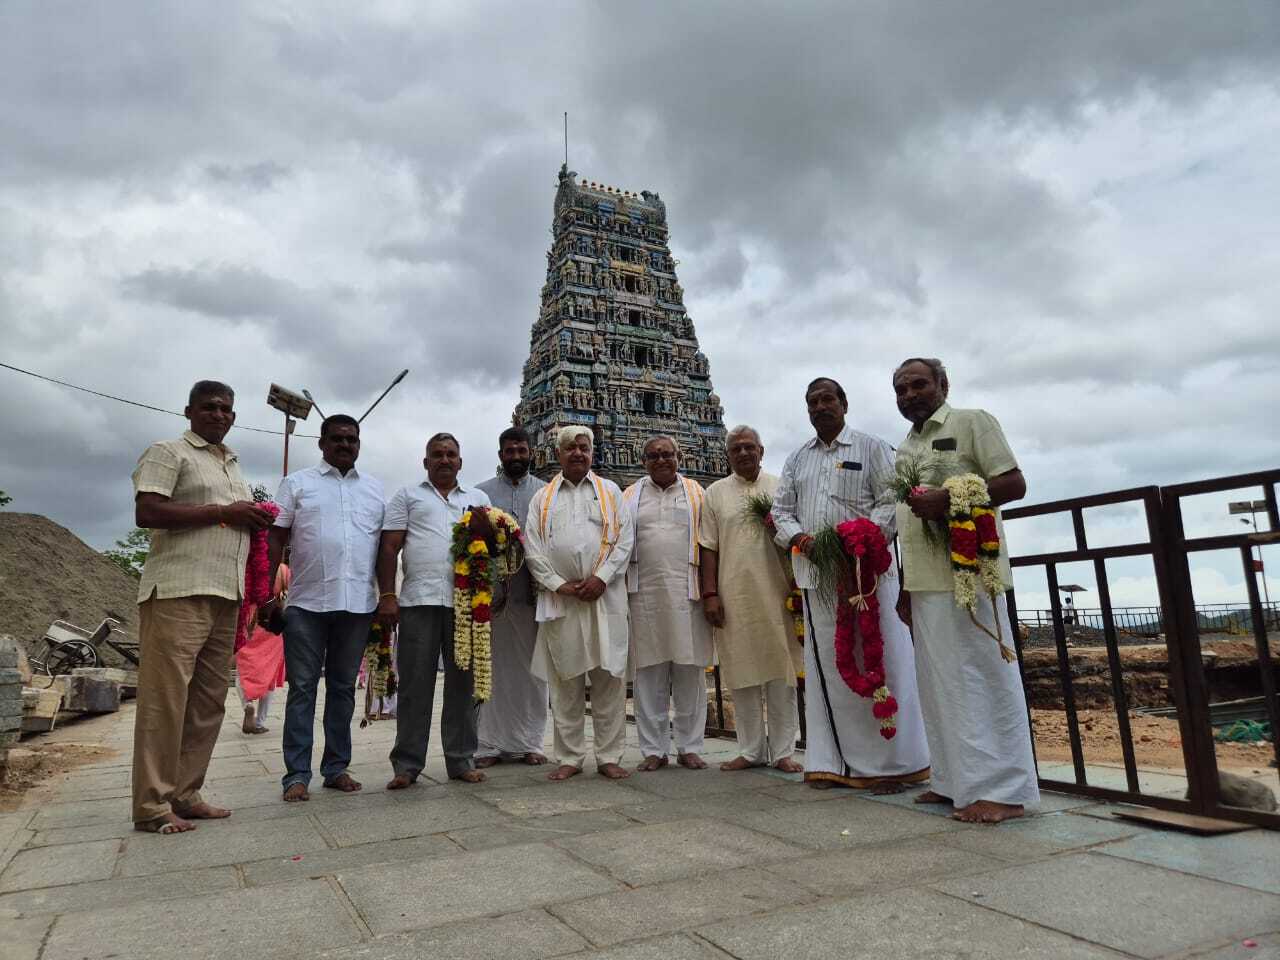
(40,708)
(88,694)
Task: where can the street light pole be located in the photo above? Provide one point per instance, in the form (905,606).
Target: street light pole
(1252,508)
(399,377)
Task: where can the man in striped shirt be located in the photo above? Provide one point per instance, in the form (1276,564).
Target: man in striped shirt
(841,474)
(189,492)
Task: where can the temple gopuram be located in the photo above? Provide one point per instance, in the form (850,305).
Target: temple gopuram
(613,347)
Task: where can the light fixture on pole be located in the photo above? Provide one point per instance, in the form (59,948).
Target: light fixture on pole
(1252,508)
(292,405)
(399,377)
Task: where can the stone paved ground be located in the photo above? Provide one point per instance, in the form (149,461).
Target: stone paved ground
(673,865)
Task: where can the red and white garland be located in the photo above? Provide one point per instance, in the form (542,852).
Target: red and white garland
(487,547)
(858,614)
(257,575)
(975,551)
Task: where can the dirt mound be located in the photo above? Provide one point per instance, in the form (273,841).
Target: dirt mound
(47,573)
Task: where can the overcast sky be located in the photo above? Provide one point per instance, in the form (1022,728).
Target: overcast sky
(1076,205)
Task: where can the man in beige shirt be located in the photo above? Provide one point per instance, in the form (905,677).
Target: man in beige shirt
(190,494)
(975,712)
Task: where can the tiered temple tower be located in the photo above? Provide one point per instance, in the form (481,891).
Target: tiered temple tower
(613,347)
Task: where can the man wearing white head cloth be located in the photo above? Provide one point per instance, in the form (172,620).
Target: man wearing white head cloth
(670,637)
(578,538)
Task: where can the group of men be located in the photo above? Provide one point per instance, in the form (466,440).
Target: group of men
(650,584)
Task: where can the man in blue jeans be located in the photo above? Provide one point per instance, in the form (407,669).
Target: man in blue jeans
(331,518)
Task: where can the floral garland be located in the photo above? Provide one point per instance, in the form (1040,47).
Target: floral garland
(487,547)
(859,614)
(975,550)
(380,673)
(257,575)
(795,607)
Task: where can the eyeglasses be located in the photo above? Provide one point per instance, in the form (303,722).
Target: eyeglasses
(661,455)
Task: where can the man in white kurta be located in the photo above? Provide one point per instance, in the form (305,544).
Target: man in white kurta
(841,475)
(670,638)
(745,585)
(578,539)
(513,721)
(975,710)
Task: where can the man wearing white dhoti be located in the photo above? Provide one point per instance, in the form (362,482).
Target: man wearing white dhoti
(670,638)
(841,475)
(578,538)
(513,721)
(745,585)
(975,711)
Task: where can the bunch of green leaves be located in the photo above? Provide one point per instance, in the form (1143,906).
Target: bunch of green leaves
(5,499)
(829,561)
(130,553)
(911,470)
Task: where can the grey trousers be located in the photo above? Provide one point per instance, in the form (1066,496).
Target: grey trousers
(426,633)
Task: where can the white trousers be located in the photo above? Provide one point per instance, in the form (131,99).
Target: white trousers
(263,702)
(779,699)
(975,712)
(675,690)
(608,718)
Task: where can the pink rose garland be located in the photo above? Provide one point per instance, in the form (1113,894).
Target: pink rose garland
(865,546)
(257,575)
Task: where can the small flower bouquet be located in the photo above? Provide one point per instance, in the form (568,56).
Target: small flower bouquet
(912,474)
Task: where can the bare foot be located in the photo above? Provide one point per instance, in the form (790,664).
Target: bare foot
(613,771)
(787,765)
(485,762)
(691,761)
(165,825)
(930,796)
(205,811)
(649,764)
(885,788)
(400,781)
(296,792)
(471,776)
(250,720)
(564,772)
(739,763)
(344,782)
(988,811)
(534,759)
(261,729)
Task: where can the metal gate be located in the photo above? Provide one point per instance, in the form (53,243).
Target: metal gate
(1170,552)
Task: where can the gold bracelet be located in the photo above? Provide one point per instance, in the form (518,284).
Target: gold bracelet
(385,595)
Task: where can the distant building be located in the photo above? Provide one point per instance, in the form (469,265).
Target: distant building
(613,347)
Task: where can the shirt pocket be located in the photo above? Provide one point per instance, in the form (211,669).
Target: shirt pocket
(847,486)
(368,518)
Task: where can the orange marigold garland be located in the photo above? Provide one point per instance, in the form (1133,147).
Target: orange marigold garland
(975,551)
(487,547)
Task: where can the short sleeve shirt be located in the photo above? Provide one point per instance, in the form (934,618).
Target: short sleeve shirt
(963,441)
(197,561)
(427,519)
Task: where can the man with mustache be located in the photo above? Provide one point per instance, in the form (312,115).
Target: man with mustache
(670,638)
(841,474)
(578,537)
(420,521)
(513,722)
(975,710)
(189,492)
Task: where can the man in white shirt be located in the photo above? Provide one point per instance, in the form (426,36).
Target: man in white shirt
(331,518)
(513,722)
(420,521)
(578,538)
(670,638)
(841,474)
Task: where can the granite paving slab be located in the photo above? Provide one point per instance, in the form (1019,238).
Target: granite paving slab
(1049,802)
(528,935)
(297,920)
(1265,947)
(674,782)
(882,866)
(909,925)
(405,896)
(329,862)
(837,825)
(79,812)
(22,939)
(587,791)
(538,829)
(1034,838)
(218,842)
(356,824)
(727,806)
(1143,910)
(62,864)
(668,947)
(119,891)
(635,914)
(672,851)
(1251,859)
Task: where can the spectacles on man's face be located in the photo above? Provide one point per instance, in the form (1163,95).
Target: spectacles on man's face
(661,455)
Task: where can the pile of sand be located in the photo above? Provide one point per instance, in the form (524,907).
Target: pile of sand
(47,573)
